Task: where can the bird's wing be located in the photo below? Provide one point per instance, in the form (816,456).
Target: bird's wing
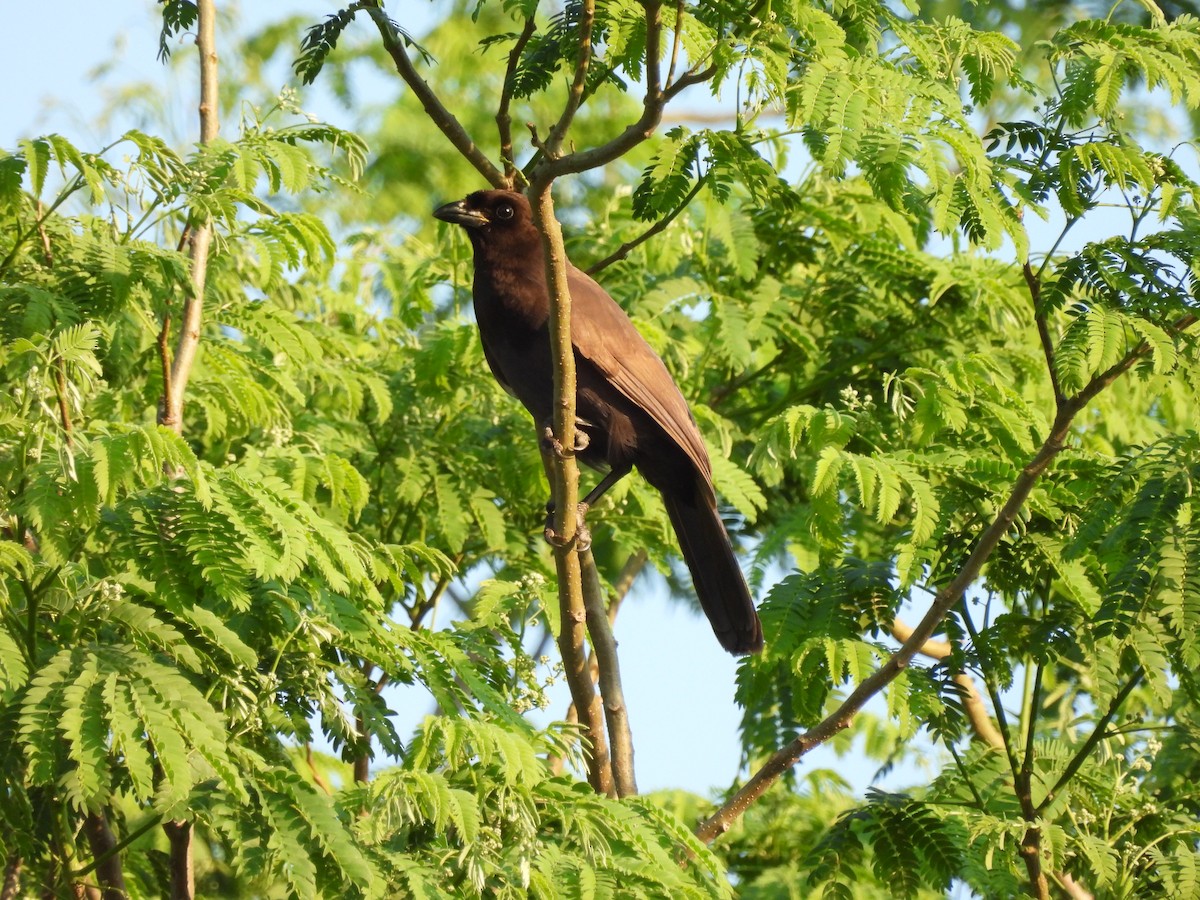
(603,334)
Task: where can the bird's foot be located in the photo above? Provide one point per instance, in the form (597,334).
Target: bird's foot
(583,535)
(553,445)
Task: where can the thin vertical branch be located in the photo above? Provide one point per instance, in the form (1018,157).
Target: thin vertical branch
(171,414)
(1030,848)
(64,408)
(512,175)
(563,471)
(47,253)
(179,833)
(1039,316)
(167,401)
(587,18)
(604,653)
(629,572)
(676,41)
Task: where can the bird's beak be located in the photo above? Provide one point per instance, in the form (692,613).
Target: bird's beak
(458,213)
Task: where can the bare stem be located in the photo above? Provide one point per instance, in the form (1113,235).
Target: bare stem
(657,228)
(1035,294)
(652,108)
(64,408)
(587,18)
(604,654)
(513,175)
(676,41)
(171,407)
(434,108)
(563,472)
(1030,848)
(47,253)
(629,572)
(977,714)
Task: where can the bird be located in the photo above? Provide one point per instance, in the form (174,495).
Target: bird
(628,407)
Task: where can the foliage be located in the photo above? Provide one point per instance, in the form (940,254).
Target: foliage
(876,341)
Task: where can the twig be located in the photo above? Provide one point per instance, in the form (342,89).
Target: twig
(977,714)
(167,401)
(41,230)
(1097,735)
(1039,316)
(362,762)
(434,108)
(993,691)
(604,653)
(513,175)
(318,779)
(840,719)
(563,472)
(60,390)
(629,572)
(676,41)
(587,18)
(658,227)
(652,108)
(171,408)
(1030,848)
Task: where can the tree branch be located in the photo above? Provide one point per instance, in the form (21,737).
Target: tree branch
(587,18)
(64,408)
(632,568)
(658,227)
(604,655)
(1093,739)
(676,41)
(1031,842)
(437,112)
(652,107)
(171,408)
(1039,316)
(840,719)
(977,714)
(513,175)
(563,473)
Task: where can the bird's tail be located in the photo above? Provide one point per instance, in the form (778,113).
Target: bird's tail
(720,586)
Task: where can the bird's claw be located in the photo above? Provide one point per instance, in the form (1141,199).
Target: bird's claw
(582,537)
(554,445)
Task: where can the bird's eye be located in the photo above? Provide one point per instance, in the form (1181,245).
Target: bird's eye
(504,211)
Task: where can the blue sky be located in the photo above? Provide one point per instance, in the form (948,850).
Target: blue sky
(679,683)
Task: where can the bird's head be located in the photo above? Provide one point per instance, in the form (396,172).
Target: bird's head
(488,214)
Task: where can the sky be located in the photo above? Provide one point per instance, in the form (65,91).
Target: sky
(679,683)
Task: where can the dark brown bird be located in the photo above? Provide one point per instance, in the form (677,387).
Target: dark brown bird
(627,404)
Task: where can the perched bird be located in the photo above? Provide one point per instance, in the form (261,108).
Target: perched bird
(627,404)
